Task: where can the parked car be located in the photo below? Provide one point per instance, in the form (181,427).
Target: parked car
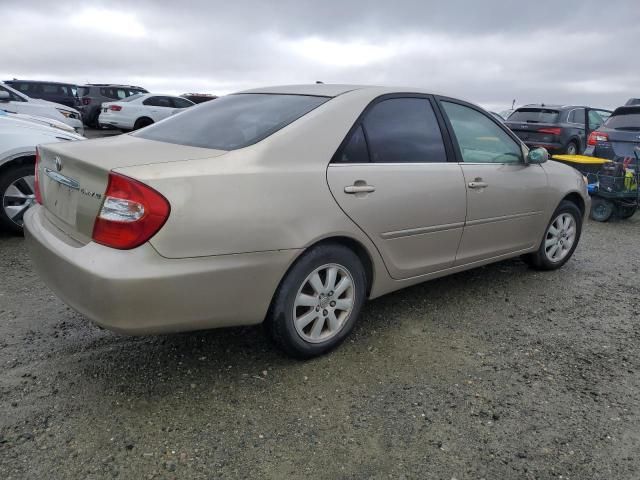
(558,128)
(633,101)
(19,135)
(617,138)
(139,111)
(293,205)
(199,97)
(497,116)
(56,92)
(93,95)
(13,101)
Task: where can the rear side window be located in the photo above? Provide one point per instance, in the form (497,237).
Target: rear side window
(83,91)
(232,122)
(624,118)
(404,130)
(534,115)
(577,115)
(355,150)
(158,102)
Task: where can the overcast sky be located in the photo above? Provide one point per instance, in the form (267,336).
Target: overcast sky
(486,51)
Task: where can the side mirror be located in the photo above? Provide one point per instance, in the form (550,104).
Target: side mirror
(4,96)
(537,156)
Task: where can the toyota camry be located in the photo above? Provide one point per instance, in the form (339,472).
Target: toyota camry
(292,206)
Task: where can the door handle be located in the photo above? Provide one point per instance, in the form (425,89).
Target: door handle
(478,184)
(351,189)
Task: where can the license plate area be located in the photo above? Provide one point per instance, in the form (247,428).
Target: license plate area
(61,196)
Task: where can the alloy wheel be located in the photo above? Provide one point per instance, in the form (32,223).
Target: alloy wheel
(324,303)
(560,237)
(18,197)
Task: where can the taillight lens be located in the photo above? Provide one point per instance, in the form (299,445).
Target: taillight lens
(595,137)
(551,131)
(131,213)
(36,180)
(86,100)
(115,108)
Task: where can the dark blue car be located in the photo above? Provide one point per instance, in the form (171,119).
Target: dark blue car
(618,137)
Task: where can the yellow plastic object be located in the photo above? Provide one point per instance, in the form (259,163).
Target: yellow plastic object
(583,159)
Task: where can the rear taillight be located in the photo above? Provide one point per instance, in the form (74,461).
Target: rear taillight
(115,108)
(551,131)
(131,213)
(86,100)
(595,137)
(36,180)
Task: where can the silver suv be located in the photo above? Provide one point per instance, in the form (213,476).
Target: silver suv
(94,94)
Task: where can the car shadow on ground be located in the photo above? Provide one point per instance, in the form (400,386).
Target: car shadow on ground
(154,365)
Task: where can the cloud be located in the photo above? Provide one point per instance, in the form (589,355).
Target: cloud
(490,52)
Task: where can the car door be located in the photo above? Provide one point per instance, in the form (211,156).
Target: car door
(577,120)
(158,107)
(505,196)
(392,178)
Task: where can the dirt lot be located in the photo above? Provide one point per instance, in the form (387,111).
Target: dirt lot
(496,373)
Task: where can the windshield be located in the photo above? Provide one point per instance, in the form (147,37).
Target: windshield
(232,122)
(624,119)
(534,115)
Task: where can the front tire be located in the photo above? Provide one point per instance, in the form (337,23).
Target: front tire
(318,303)
(560,239)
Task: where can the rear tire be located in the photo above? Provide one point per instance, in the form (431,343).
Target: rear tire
(16,196)
(318,302)
(601,209)
(560,239)
(572,148)
(142,122)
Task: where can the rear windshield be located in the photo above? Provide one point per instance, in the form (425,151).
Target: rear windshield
(534,115)
(232,122)
(626,118)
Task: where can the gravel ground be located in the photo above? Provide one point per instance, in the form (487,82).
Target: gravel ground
(496,373)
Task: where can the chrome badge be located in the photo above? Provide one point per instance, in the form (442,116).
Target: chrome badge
(58,164)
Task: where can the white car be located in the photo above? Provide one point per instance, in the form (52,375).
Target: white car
(19,135)
(138,111)
(13,101)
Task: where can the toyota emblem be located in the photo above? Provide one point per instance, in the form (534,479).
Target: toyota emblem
(58,164)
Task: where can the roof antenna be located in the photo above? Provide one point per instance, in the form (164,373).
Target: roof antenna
(319,82)
(513,104)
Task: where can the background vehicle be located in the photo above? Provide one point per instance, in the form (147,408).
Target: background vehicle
(633,101)
(199,97)
(321,195)
(93,95)
(19,136)
(13,101)
(139,111)
(56,92)
(558,128)
(618,137)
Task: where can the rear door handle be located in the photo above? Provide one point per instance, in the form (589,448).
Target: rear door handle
(477,184)
(351,189)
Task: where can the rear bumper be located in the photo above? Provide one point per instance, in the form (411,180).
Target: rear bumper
(140,292)
(114,120)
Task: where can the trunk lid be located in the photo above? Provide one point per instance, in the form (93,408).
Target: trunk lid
(74,176)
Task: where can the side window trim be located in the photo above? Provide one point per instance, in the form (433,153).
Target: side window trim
(456,147)
(571,112)
(446,138)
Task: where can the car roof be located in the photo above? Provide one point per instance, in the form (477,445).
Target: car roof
(14,80)
(114,85)
(334,90)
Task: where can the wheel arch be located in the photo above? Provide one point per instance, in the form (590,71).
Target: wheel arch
(144,117)
(17,160)
(575,198)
